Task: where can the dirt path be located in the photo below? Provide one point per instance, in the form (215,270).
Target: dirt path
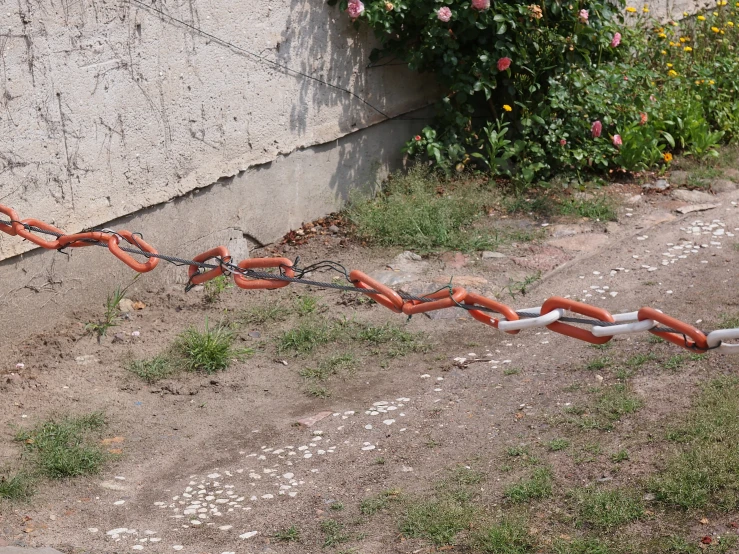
(218,464)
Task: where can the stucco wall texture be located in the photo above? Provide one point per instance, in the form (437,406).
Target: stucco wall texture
(110,106)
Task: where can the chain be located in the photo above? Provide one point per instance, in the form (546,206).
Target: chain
(248,274)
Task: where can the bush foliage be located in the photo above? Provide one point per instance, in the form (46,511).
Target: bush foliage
(573,87)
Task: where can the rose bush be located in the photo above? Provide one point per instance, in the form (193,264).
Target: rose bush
(570,85)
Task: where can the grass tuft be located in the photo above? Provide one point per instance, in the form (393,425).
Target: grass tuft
(509,536)
(208,351)
(704,472)
(437,521)
(370,506)
(64,448)
(334,533)
(289,534)
(538,486)
(607,509)
(580,546)
(153,369)
(555,445)
(16,487)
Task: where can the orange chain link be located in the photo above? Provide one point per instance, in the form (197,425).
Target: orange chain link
(679,333)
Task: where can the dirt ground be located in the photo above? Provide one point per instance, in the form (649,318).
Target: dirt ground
(219,463)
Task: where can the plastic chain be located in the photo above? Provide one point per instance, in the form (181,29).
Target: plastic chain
(473,299)
(387,296)
(556,302)
(80,240)
(442,300)
(263,263)
(196,277)
(699,342)
(28,235)
(11,229)
(716,339)
(125,257)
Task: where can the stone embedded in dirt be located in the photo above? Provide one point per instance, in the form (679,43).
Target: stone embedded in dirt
(312,420)
(126,305)
(542,258)
(119,337)
(454,260)
(393,278)
(489,255)
(723,185)
(589,242)
(694,196)
(113,486)
(461,280)
(248,535)
(87,359)
(697,208)
(334,229)
(19,550)
(659,186)
(635,199)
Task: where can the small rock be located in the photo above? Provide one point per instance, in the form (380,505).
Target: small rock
(694,196)
(255,334)
(488,255)
(649,497)
(454,260)
(334,229)
(126,305)
(119,337)
(660,185)
(722,185)
(393,278)
(635,199)
(697,208)
(248,535)
(86,359)
(312,420)
(12,379)
(408,255)
(679,178)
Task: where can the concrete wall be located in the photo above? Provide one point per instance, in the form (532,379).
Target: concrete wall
(108,107)
(38,288)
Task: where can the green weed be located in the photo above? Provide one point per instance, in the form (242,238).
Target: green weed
(304,338)
(411,213)
(306,305)
(329,367)
(318,391)
(153,369)
(620,456)
(599,208)
(538,486)
(210,350)
(213,289)
(64,447)
(580,546)
(264,313)
(598,364)
(437,521)
(704,473)
(18,486)
(333,533)
(607,509)
(617,401)
(638,360)
(289,534)
(509,536)
(555,445)
(112,311)
(370,506)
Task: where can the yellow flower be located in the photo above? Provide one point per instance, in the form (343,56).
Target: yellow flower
(673,43)
(669,65)
(697,82)
(645,9)
(715,29)
(663,52)
(711,82)
(688,49)
(701,18)
(632,9)
(507,108)
(730,23)
(672,73)
(667,157)
(685,14)
(715,14)
(662,35)
(673,23)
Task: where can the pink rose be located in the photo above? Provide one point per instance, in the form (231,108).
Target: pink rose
(444,14)
(584,16)
(355,8)
(504,63)
(417,138)
(616,40)
(617,141)
(481,5)
(596,128)
(643,118)
(562,142)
